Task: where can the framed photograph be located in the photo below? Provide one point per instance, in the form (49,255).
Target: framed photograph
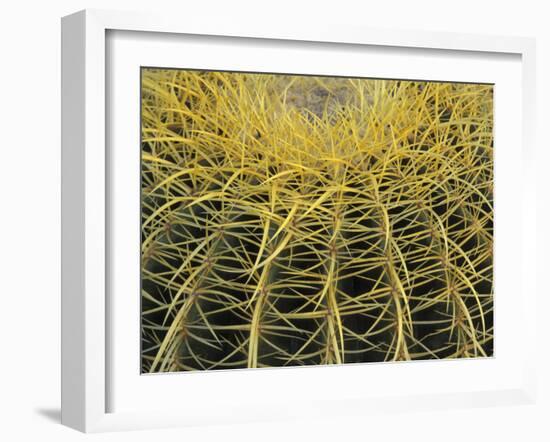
(277,222)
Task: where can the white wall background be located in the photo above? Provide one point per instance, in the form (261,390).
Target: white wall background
(30,215)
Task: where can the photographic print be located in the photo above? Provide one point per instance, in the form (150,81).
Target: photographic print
(297,220)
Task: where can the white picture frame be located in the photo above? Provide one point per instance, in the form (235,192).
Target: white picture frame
(87,353)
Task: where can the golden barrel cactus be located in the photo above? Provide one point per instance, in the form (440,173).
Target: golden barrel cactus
(298,220)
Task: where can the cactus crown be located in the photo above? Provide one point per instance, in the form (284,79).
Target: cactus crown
(292,220)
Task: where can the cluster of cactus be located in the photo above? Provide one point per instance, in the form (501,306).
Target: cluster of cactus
(296,220)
